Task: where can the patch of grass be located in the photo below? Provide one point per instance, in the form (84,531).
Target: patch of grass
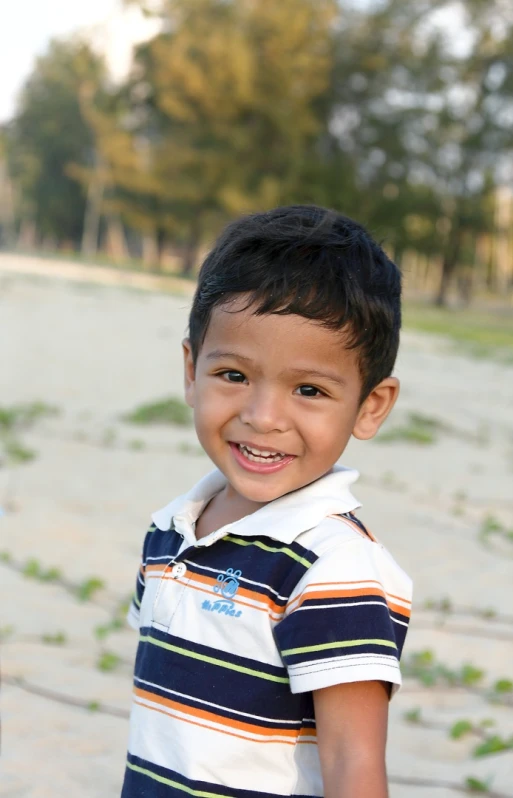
(480,333)
(163,411)
(136,445)
(24,415)
(492,528)
(34,570)
(413,715)
(16,453)
(57,639)
(86,589)
(108,661)
(417,429)
(190,449)
(477,785)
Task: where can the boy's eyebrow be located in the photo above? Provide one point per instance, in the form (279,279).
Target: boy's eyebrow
(219,353)
(326,375)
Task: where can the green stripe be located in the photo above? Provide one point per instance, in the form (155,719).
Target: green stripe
(152,528)
(171,783)
(213,661)
(272,549)
(341,644)
(136,601)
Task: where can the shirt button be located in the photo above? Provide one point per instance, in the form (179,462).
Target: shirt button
(178,570)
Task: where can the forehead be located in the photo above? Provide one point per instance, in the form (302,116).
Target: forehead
(286,338)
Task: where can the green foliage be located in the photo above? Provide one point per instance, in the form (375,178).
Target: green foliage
(424,667)
(16,453)
(93,706)
(5,556)
(108,661)
(503,686)
(48,134)
(101,632)
(56,639)
(136,445)
(413,715)
(164,411)
(34,570)
(86,590)
(460,729)
(15,419)
(491,528)
(477,785)
(493,745)
(418,429)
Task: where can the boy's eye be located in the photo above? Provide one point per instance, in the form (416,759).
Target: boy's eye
(233,376)
(309,391)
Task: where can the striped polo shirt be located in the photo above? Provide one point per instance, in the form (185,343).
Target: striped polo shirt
(238,628)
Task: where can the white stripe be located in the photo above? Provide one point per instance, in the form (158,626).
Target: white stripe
(241,578)
(352,604)
(211,704)
(211,724)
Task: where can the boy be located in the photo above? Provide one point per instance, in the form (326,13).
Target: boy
(271,622)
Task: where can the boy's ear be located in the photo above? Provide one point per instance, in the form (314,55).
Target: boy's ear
(189,375)
(376,408)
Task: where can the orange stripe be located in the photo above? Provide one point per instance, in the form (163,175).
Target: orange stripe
(354,593)
(211,717)
(270,605)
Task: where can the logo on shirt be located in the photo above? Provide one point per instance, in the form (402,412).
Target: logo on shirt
(227,585)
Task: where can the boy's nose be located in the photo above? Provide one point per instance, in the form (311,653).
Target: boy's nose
(265,412)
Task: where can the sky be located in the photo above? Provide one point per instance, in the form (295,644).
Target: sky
(27,26)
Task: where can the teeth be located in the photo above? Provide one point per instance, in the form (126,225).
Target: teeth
(260,455)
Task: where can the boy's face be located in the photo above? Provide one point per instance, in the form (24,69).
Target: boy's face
(276,399)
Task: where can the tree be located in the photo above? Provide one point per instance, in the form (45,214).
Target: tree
(221,110)
(47,134)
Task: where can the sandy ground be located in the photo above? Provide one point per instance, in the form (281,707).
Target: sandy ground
(82,506)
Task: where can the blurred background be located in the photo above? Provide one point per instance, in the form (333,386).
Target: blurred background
(130,133)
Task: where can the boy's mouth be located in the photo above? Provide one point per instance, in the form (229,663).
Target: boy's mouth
(260,455)
(262,461)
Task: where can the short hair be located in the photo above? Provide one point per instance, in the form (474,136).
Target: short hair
(313,262)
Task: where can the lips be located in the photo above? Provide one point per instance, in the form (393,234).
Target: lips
(261,461)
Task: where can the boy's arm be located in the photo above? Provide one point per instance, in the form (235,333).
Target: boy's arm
(351,735)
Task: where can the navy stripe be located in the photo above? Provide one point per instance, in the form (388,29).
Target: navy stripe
(230,688)
(223,712)
(142,785)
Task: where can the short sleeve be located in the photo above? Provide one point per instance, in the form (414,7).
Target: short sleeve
(347,619)
(135,604)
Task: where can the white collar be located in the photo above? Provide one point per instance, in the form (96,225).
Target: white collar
(283,519)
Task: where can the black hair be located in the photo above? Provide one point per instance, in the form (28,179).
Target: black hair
(312,262)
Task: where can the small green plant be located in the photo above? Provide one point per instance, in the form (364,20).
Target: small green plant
(493,745)
(109,437)
(101,632)
(164,411)
(503,686)
(423,666)
(16,453)
(190,448)
(136,445)
(86,589)
(477,785)
(34,570)
(108,661)
(417,429)
(5,556)
(413,715)
(491,527)
(22,416)
(57,639)
(6,632)
(460,729)
(93,706)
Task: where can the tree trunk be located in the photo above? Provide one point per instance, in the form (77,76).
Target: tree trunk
(449,263)
(190,255)
(115,239)
(92,216)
